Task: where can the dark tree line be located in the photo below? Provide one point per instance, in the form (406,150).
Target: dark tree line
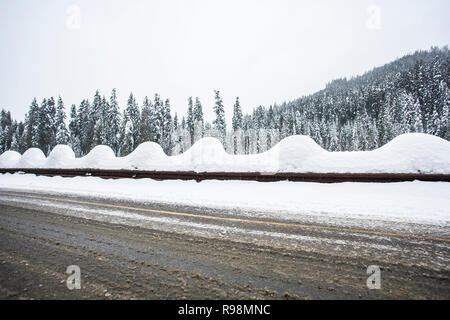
(410,94)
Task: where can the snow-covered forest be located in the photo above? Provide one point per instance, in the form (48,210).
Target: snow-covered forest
(410,94)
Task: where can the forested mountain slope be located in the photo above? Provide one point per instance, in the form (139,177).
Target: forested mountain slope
(410,94)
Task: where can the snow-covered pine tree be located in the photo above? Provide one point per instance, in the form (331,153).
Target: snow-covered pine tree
(167,142)
(441,108)
(131,126)
(219,123)
(385,125)
(18,140)
(84,126)
(412,118)
(52,120)
(100,129)
(12,142)
(2,138)
(95,120)
(6,131)
(31,123)
(237,115)
(334,138)
(270,119)
(199,130)
(112,124)
(175,122)
(156,119)
(74,130)
(146,123)
(190,119)
(445,122)
(62,134)
(122,133)
(258,125)
(46,129)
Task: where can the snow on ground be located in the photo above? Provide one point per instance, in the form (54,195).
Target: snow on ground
(9,158)
(408,153)
(421,202)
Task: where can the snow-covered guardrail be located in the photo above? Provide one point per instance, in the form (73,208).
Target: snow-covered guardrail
(247,176)
(408,157)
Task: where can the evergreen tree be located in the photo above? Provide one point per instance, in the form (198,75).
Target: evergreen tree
(31,123)
(146,120)
(270,119)
(94,133)
(219,123)
(175,122)
(198,120)
(46,128)
(112,124)
(237,115)
(6,131)
(412,119)
(18,139)
(62,134)
(167,142)
(156,119)
(131,127)
(74,130)
(84,126)
(190,120)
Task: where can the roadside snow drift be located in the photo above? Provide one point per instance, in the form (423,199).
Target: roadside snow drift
(369,203)
(408,153)
(61,155)
(9,157)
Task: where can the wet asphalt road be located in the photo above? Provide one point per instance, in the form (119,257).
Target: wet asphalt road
(128,250)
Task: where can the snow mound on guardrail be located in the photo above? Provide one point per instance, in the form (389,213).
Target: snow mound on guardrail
(99,157)
(298,153)
(416,151)
(207,154)
(32,158)
(408,153)
(148,156)
(61,156)
(8,157)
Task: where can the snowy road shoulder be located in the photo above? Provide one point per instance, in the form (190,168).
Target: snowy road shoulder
(413,202)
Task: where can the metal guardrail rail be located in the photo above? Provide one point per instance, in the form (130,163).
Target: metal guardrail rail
(246,176)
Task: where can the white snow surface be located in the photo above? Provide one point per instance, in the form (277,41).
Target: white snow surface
(33,157)
(9,157)
(408,153)
(417,201)
(61,155)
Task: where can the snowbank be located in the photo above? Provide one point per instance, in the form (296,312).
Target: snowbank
(418,201)
(9,157)
(99,157)
(33,157)
(61,156)
(408,153)
(147,155)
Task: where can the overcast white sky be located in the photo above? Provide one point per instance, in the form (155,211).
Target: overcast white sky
(262,51)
